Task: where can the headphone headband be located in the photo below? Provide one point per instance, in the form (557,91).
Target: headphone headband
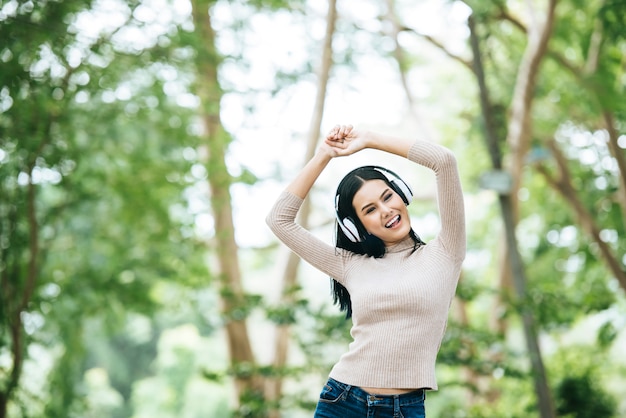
(398,185)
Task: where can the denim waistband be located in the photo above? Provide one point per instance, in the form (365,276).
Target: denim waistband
(403,399)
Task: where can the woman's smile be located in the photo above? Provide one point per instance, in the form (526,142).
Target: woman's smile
(393,222)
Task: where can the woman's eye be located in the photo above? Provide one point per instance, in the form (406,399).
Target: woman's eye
(388,196)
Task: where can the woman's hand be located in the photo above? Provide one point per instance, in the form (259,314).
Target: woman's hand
(344,140)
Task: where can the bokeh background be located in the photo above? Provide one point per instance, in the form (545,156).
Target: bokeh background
(142,144)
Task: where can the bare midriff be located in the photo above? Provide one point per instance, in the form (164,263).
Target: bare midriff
(387,391)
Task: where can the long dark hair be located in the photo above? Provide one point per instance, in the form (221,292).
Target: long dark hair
(367,244)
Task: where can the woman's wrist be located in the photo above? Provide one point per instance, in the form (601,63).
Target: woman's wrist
(323,155)
(370,140)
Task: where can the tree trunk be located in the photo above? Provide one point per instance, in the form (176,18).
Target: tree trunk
(217,140)
(17,354)
(281,344)
(518,136)
(20,296)
(471,377)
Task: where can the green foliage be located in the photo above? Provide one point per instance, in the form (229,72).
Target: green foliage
(253,405)
(240,307)
(106,170)
(607,335)
(278,5)
(579,391)
(613,18)
(580,397)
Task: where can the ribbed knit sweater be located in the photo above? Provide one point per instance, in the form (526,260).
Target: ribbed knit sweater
(400,302)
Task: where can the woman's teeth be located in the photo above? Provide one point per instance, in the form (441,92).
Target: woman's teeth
(393,221)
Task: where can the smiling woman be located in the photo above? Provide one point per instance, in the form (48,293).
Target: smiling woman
(396,288)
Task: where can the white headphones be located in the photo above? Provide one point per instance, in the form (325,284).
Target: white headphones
(348,226)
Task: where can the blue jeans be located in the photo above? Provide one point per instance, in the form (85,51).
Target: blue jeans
(339,400)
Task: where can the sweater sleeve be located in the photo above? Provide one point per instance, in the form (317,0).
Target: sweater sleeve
(324,257)
(449,194)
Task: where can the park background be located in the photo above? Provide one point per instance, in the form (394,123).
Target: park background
(142,144)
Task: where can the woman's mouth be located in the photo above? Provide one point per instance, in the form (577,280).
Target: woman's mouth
(393,222)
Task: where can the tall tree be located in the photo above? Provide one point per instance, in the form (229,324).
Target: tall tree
(519,135)
(290,272)
(88,180)
(216,140)
(30,146)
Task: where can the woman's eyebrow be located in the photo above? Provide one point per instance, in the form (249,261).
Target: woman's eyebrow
(381,197)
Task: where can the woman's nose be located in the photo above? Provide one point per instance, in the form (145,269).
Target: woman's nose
(385,210)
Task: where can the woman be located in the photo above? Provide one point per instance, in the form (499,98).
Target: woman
(397,289)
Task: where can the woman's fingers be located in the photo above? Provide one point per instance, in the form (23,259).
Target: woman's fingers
(339,132)
(344,130)
(335,132)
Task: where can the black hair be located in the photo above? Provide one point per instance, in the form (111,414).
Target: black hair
(369,244)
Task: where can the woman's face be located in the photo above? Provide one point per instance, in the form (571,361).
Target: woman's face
(382,212)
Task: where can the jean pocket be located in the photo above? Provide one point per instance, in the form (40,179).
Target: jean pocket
(413,411)
(414,408)
(330,394)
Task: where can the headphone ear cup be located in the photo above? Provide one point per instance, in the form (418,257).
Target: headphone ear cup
(350,230)
(398,185)
(347,225)
(403,190)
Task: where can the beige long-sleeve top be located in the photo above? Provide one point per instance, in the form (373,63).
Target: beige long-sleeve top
(400,302)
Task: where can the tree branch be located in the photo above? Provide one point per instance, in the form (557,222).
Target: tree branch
(564,186)
(595,43)
(520,127)
(440,46)
(618,154)
(400,57)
